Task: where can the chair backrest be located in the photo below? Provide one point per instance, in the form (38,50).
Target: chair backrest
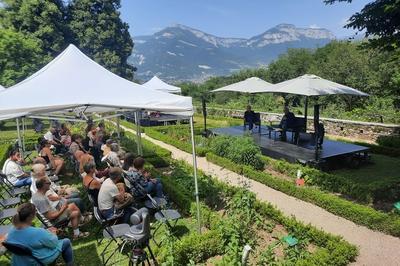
(99,217)
(21,250)
(257,118)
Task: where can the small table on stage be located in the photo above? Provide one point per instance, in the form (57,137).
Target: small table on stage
(274,130)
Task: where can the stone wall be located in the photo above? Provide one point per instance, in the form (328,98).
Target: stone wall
(366,131)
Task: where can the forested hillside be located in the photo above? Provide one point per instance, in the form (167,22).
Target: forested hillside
(374,71)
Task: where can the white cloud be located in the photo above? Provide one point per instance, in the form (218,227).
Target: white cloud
(314,26)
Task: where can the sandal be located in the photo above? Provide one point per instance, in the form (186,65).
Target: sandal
(81,235)
(86,219)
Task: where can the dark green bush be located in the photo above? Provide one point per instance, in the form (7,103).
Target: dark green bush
(238,149)
(389,141)
(4,149)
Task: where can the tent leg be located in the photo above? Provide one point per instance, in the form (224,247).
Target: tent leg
(140,135)
(19,139)
(23,134)
(137,133)
(305,113)
(118,129)
(195,174)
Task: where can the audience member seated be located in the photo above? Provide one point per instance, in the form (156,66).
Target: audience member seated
(52,137)
(83,159)
(137,173)
(249,117)
(91,182)
(61,212)
(113,157)
(56,193)
(13,170)
(128,162)
(56,163)
(44,243)
(65,136)
(112,196)
(106,148)
(288,121)
(76,144)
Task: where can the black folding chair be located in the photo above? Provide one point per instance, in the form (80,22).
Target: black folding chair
(112,232)
(21,250)
(12,191)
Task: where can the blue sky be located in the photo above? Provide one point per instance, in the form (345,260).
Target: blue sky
(237,18)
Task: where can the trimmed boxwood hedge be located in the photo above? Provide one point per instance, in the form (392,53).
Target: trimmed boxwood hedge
(360,214)
(4,150)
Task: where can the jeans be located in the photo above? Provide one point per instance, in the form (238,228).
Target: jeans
(74,198)
(107,214)
(26,181)
(67,253)
(156,187)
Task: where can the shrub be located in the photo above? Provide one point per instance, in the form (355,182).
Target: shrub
(389,141)
(238,149)
(4,149)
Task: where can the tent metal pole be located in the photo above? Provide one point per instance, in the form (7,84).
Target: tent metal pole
(23,134)
(118,129)
(19,139)
(204,105)
(137,133)
(140,133)
(195,173)
(305,113)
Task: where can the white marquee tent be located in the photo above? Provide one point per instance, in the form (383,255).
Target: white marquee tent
(74,82)
(157,84)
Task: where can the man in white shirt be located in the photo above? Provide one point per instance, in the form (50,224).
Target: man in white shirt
(112,157)
(14,172)
(109,193)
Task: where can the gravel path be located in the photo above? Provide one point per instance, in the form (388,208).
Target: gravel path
(376,248)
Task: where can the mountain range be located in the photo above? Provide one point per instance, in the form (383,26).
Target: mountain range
(181,53)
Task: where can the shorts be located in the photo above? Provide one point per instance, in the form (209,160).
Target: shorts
(62,218)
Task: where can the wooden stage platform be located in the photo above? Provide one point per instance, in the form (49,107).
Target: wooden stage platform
(304,152)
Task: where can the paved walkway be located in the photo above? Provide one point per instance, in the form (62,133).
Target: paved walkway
(376,248)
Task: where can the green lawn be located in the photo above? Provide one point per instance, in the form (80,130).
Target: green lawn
(383,168)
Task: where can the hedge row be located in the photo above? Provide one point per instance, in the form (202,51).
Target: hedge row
(4,150)
(182,145)
(365,193)
(195,247)
(360,214)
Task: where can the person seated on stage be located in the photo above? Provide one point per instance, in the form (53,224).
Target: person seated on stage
(112,196)
(56,163)
(61,212)
(288,121)
(76,144)
(113,157)
(13,170)
(43,243)
(249,117)
(56,192)
(137,173)
(91,182)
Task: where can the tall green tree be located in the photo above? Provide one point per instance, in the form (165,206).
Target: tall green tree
(380,20)
(99,31)
(20,56)
(43,20)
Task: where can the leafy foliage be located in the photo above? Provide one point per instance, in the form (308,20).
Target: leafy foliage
(380,20)
(20,56)
(238,149)
(99,31)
